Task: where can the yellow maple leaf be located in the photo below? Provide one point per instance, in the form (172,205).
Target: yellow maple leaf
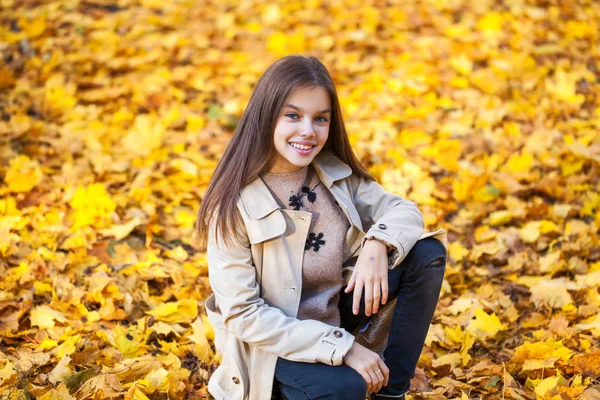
(100,387)
(159,379)
(44,317)
(68,347)
(280,43)
(545,385)
(500,217)
(462,64)
(78,240)
(589,280)
(550,292)
(564,86)
(122,230)
(128,341)
(146,135)
(185,310)
(7,372)
(491,21)
(468,342)
(92,206)
(484,325)
(60,371)
(47,344)
(534,229)
(33,28)
(59,393)
(454,334)
(551,262)
(23,174)
(520,162)
(484,233)
(132,368)
(538,355)
(136,391)
(457,251)
(452,359)
(209,330)
(592,324)
(195,123)
(58,93)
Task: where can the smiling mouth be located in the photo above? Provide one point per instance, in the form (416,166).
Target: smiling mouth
(301,146)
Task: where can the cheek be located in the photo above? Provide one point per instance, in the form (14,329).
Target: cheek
(283,130)
(280,134)
(324,134)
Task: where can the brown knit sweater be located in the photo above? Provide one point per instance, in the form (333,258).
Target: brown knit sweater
(324,251)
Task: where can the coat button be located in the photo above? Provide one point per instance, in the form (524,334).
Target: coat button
(235,380)
(382,227)
(337,334)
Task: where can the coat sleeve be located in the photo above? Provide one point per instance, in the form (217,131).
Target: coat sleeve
(245,314)
(387,217)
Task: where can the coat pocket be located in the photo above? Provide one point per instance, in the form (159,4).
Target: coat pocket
(230,380)
(216,320)
(227,382)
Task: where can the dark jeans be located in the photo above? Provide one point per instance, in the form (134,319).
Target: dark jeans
(416,282)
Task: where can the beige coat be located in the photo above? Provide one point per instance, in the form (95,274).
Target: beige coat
(257,282)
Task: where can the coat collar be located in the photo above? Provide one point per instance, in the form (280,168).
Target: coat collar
(258,200)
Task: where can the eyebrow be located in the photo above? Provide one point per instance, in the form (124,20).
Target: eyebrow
(328,110)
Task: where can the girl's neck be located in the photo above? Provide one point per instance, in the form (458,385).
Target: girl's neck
(283,173)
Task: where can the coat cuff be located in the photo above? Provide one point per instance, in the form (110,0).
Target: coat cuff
(396,251)
(341,341)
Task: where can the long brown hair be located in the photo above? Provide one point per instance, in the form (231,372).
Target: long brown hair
(251,150)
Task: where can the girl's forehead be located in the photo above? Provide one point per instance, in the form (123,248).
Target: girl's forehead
(310,98)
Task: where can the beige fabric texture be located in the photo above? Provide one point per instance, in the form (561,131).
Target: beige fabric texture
(325,252)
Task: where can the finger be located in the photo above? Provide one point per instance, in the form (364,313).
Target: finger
(378,379)
(379,382)
(384,291)
(381,376)
(366,377)
(385,371)
(351,282)
(373,381)
(376,296)
(368,298)
(357,295)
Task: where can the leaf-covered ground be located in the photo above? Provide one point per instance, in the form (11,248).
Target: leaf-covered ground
(113,117)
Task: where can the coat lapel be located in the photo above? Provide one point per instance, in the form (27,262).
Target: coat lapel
(331,169)
(267,218)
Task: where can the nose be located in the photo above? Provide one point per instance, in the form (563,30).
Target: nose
(308,129)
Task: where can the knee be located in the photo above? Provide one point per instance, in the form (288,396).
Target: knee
(428,254)
(351,388)
(356,388)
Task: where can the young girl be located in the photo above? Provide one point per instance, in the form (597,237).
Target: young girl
(305,249)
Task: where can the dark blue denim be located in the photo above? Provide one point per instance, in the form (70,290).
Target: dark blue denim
(416,282)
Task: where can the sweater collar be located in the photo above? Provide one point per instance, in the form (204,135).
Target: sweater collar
(258,200)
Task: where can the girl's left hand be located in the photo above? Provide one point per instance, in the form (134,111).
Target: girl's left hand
(370,272)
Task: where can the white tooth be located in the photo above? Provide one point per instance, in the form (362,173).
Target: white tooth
(300,146)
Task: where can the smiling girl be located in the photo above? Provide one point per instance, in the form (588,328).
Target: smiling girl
(309,257)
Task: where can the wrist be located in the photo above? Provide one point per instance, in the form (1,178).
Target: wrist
(376,240)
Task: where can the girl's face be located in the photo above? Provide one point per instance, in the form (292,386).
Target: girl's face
(302,129)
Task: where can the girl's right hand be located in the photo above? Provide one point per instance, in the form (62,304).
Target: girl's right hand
(366,363)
